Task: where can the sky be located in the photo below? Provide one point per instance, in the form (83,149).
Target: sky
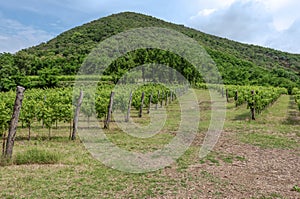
(269,23)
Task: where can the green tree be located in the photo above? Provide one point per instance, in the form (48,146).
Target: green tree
(48,77)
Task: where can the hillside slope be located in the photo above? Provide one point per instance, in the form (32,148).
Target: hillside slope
(238,63)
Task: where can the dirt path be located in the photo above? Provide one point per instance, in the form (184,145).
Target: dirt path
(265,171)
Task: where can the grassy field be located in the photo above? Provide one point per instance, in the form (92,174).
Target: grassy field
(252,159)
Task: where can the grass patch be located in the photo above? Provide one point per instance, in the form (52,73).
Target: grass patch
(217,157)
(230,158)
(212,159)
(271,196)
(185,160)
(268,141)
(36,156)
(240,158)
(296,188)
(5,161)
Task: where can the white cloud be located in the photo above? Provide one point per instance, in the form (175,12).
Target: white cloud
(204,12)
(243,21)
(284,12)
(202,4)
(15,36)
(3,38)
(287,40)
(254,21)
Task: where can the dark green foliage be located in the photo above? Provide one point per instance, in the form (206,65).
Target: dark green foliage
(10,75)
(159,57)
(237,71)
(48,78)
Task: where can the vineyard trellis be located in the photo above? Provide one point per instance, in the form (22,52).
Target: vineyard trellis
(258,98)
(48,107)
(51,106)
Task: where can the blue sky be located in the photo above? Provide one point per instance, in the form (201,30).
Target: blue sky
(271,23)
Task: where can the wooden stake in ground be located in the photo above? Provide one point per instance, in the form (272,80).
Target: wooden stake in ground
(150,100)
(128,109)
(76,116)
(43,124)
(236,98)
(162,98)
(227,97)
(14,123)
(156,106)
(252,106)
(109,112)
(142,104)
(166,102)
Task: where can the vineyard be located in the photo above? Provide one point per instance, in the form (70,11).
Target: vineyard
(257,98)
(52,106)
(68,166)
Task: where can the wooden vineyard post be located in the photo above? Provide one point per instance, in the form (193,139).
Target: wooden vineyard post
(43,124)
(175,95)
(166,101)
(162,97)
(150,100)
(128,109)
(252,107)
(109,111)
(236,98)
(14,123)
(76,116)
(156,105)
(227,95)
(142,104)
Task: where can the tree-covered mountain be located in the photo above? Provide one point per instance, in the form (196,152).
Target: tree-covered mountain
(238,63)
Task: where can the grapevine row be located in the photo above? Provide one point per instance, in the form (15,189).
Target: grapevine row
(51,106)
(257,98)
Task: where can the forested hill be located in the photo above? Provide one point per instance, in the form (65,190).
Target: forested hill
(238,63)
